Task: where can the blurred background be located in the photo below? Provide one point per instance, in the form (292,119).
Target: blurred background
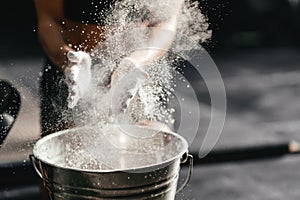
(255,45)
(254,23)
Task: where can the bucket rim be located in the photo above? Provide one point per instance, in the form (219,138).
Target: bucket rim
(135,169)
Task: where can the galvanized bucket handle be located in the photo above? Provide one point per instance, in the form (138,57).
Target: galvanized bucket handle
(36,168)
(186,158)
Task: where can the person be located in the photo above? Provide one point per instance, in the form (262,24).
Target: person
(68,34)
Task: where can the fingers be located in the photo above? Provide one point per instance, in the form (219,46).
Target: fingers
(76,56)
(73,98)
(71,77)
(121,104)
(125,83)
(73,57)
(105,74)
(72,73)
(77,76)
(123,92)
(78,81)
(79,57)
(126,101)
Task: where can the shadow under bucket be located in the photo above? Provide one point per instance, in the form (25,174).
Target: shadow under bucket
(93,163)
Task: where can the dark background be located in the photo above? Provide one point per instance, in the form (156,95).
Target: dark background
(235,24)
(18,29)
(253,23)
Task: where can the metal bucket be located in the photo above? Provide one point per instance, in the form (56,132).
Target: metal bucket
(70,168)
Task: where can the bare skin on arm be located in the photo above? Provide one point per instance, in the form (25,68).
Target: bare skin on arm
(59,35)
(163,35)
(50,30)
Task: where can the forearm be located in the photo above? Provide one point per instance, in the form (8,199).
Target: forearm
(162,37)
(50,34)
(159,43)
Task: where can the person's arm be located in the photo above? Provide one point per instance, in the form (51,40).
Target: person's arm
(131,72)
(76,65)
(160,41)
(163,35)
(50,30)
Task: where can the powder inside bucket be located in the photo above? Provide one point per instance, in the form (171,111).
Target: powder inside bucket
(86,149)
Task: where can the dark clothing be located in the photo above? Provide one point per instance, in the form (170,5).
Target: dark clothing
(55,115)
(87,11)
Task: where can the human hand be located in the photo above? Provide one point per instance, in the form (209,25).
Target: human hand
(78,76)
(127,78)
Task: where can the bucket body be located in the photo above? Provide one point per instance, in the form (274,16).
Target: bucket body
(154,175)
